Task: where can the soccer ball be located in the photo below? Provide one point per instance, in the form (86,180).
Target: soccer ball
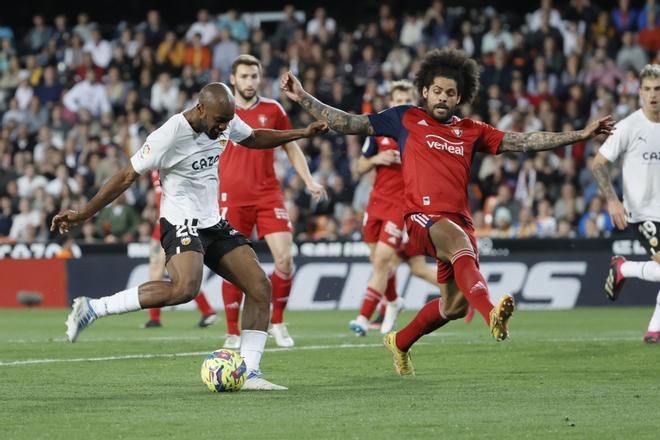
(223,370)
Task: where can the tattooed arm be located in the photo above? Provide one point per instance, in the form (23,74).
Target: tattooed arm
(337,120)
(543,140)
(601,171)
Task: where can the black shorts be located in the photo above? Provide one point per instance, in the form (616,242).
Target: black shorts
(214,242)
(648,233)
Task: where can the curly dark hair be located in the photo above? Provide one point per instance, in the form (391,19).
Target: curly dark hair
(450,63)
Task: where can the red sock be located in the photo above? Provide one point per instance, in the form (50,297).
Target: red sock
(390,290)
(281,289)
(472,283)
(232,297)
(428,319)
(154,314)
(370,302)
(203,305)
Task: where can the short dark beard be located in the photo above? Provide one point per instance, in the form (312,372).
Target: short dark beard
(450,114)
(243,96)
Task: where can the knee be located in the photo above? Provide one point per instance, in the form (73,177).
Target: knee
(456,311)
(259,290)
(381,262)
(185,290)
(284,261)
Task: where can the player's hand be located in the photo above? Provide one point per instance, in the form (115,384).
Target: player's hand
(315,128)
(617,213)
(604,125)
(656,257)
(317,191)
(387,158)
(292,87)
(65,220)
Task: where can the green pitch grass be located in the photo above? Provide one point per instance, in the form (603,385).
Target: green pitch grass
(573,374)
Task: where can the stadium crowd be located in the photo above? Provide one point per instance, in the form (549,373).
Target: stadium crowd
(78,99)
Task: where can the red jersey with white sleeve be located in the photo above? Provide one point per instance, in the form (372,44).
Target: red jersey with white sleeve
(383,220)
(248,175)
(158,193)
(436,157)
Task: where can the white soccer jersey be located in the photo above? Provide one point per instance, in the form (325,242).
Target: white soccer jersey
(637,141)
(188,165)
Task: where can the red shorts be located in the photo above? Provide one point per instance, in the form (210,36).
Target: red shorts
(418,226)
(408,248)
(386,229)
(268,218)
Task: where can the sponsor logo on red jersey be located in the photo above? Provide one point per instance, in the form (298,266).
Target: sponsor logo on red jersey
(442,144)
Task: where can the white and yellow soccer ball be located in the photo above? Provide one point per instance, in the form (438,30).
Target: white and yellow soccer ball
(224,370)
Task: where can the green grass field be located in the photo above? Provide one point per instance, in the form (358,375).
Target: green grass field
(573,374)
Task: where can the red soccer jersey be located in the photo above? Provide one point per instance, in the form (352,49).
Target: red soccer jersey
(436,156)
(388,185)
(247,176)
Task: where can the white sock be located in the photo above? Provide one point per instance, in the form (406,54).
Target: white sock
(363,321)
(252,347)
(121,302)
(644,270)
(654,325)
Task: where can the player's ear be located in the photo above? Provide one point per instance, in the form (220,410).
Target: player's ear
(232,80)
(458,101)
(425,92)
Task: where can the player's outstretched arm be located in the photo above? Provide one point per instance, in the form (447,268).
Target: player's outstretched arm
(112,189)
(299,162)
(384,158)
(543,140)
(262,138)
(601,170)
(337,120)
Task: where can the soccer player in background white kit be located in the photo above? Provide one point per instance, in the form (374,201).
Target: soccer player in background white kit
(636,141)
(186,149)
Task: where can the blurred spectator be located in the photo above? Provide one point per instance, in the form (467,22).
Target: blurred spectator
(496,37)
(196,54)
(224,53)
(100,49)
(624,17)
(30,181)
(204,27)
(83,28)
(165,95)
(596,221)
(546,223)
(88,95)
(118,222)
(171,52)
(26,217)
(526,227)
(237,27)
(6,216)
(649,34)
(502,224)
(39,34)
(321,24)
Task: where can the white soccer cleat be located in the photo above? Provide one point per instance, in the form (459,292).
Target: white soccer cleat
(82,314)
(281,335)
(392,311)
(256,382)
(233,342)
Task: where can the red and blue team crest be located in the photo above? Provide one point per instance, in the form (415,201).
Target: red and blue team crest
(457,132)
(263,119)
